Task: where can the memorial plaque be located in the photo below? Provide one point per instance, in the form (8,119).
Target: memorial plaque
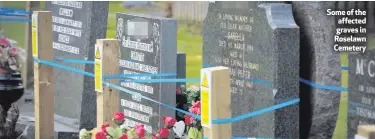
(148,46)
(361,99)
(76,26)
(259,42)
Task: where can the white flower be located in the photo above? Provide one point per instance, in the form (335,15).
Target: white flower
(82,133)
(193,88)
(123,126)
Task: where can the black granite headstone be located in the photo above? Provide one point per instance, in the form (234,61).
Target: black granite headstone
(259,42)
(148,46)
(181,68)
(76,26)
(361,99)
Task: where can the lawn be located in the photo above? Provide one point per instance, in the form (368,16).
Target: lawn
(189,41)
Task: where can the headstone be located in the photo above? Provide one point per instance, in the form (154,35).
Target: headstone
(320,64)
(361,99)
(181,99)
(257,41)
(148,46)
(76,26)
(181,68)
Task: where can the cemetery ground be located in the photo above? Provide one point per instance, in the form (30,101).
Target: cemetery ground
(189,41)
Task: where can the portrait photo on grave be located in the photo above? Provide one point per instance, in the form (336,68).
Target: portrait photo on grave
(187,69)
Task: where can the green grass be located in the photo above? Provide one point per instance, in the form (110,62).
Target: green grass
(14,30)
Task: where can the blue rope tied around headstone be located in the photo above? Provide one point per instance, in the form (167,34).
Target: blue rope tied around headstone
(163,80)
(137,75)
(13,10)
(73,61)
(12,14)
(217,121)
(319,86)
(45,62)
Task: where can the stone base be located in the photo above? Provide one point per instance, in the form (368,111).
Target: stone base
(65,128)
(26,125)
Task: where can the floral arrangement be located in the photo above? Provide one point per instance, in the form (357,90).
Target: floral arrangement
(194,127)
(123,132)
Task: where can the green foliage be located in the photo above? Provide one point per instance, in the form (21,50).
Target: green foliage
(195,133)
(114,132)
(193,94)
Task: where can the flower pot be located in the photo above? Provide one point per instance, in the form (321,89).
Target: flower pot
(11,88)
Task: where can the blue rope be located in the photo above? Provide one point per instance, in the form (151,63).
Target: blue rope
(73,61)
(335,88)
(163,80)
(137,75)
(218,121)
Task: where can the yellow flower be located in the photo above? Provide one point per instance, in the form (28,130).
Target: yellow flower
(93,133)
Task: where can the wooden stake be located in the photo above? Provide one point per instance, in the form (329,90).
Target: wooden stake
(216,102)
(43,78)
(366,131)
(108,102)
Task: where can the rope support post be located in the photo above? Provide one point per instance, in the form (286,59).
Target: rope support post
(215,102)
(107,99)
(43,74)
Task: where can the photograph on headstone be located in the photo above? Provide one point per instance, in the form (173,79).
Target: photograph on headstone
(148,46)
(259,42)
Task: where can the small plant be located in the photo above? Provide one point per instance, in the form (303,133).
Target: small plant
(193,93)
(123,132)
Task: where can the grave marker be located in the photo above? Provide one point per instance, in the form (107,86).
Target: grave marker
(76,26)
(320,64)
(361,98)
(259,42)
(148,45)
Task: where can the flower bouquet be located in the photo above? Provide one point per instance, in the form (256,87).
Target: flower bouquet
(121,131)
(194,126)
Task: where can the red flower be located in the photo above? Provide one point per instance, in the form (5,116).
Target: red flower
(119,116)
(104,130)
(164,132)
(140,130)
(4,42)
(169,121)
(188,119)
(154,137)
(196,111)
(178,91)
(124,136)
(196,104)
(101,135)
